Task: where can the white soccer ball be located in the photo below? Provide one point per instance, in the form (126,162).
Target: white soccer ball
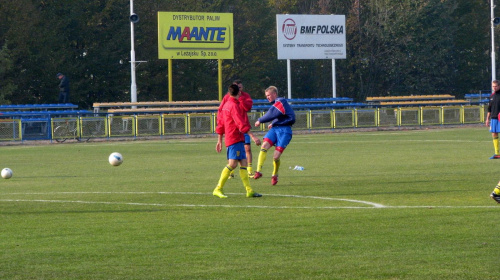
(115,159)
(6,173)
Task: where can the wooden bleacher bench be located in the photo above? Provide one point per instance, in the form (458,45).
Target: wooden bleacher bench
(313,106)
(425,103)
(416,100)
(119,105)
(306,100)
(166,110)
(409,98)
(123,107)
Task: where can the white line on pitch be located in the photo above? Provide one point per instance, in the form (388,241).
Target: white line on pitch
(176,205)
(376,205)
(232,206)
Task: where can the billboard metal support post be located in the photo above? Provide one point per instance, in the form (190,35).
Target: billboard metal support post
(133,86)
(493,66)
(219,70)
(334,82)
(170,79)
(289,76)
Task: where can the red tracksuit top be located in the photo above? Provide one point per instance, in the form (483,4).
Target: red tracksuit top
(232,122)
(245,100)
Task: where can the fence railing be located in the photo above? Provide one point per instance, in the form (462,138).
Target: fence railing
(139,125)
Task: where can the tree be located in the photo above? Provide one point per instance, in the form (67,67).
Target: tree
(7,85)
(393,48)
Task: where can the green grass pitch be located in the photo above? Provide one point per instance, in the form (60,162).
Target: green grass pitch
(369,205)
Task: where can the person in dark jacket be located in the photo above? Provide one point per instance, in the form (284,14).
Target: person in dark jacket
(492,116)
(281,117)
(63,88)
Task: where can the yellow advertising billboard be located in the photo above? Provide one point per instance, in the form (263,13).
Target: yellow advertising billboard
(184,35)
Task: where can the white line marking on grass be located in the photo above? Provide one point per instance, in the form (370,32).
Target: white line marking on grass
(179,205)
(374,205)
(233,206)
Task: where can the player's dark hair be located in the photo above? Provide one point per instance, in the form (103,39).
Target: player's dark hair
(233,90)
(237,82)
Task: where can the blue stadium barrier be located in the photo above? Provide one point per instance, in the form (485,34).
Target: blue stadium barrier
(37,107)
(477,95)
(36,125)
(42,114)
(478,98)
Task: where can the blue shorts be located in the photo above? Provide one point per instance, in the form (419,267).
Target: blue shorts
(494,126)
(247,139)
(279,136)
(236,151)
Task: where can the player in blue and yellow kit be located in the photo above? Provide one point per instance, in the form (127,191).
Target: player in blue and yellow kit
(245,103)
(281,117)
(494,124)
(232,122)
(492,117)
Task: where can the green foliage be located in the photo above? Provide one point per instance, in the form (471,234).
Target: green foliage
(406,47)
(7,85)
(393,48)
(67,214)
(251,63)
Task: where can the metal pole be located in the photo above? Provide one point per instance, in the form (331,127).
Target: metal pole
(170,79)
(334,83)
(493,67)
(133,86)
(289,76)
(219,80)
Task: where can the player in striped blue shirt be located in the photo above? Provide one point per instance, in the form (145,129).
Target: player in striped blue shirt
(281,117)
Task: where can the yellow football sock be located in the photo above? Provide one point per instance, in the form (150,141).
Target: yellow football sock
(262,158)
(245,180)
(495,144)
(497,189)
(249,168)
(223,177)
(276,166)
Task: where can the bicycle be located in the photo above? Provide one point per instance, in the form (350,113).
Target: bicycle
(66,131)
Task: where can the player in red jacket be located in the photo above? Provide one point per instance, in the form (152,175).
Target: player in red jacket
(233,122)
(246,103)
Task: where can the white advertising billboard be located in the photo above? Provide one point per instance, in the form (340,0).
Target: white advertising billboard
(311,36)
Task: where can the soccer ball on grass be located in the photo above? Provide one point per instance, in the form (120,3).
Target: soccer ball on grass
(115,159)
(6,173)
